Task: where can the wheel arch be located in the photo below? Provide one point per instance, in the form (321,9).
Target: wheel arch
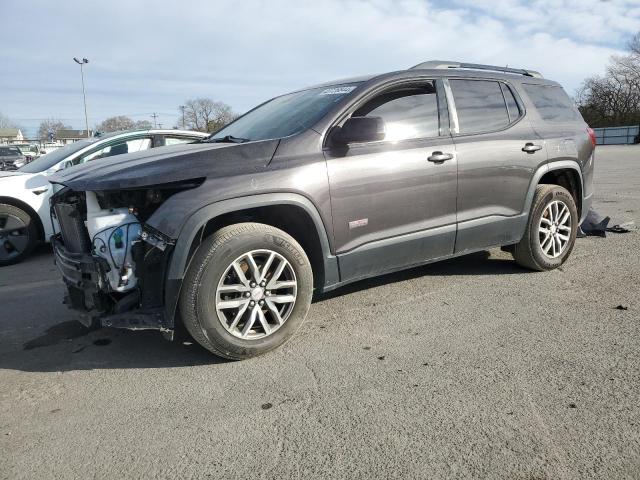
(307,228)
(549,173)
(27,208)
(569,178)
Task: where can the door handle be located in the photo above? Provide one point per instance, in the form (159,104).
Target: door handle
(439,157)
(531,148)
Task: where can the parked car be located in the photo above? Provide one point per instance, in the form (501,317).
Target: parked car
(322,187)
(11,157)
(24,194)
(30,151)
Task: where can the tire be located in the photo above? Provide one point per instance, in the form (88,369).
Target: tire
(209,290)
(18,234)
(530,251)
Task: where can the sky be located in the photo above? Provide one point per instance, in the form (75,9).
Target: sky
(151,56)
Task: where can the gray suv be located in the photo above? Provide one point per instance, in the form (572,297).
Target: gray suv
(324,186)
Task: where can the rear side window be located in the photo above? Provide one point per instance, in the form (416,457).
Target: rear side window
(480,105)
(120,148)
(552,103)
(178,140)
(512,105)
(408,113)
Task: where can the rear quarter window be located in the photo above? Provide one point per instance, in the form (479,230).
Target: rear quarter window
(552,103)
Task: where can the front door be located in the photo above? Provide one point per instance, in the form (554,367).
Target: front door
(394,201)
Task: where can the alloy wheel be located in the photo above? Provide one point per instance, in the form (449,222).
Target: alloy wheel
(256,294)
(554,231)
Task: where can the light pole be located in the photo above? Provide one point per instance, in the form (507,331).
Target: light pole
(84,97)
(182,107)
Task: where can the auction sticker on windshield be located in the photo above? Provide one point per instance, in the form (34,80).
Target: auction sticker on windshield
(338,90)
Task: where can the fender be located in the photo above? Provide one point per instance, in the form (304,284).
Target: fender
(523,217)
(549,167)
(179,261)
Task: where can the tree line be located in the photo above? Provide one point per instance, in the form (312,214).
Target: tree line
(200,114)
(613,100)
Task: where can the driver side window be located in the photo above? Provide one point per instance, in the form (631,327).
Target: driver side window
(409,112)
(129,146)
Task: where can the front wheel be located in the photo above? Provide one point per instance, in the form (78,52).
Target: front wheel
(551,230)
(18,234)
(246,291)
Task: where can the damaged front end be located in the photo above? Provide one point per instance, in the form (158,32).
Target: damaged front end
(114,264)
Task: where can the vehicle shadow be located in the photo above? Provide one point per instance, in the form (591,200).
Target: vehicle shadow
(67,345)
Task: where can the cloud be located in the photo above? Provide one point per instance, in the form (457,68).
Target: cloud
(149,57)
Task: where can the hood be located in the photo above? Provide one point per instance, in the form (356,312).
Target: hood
(168,164)
(10,173)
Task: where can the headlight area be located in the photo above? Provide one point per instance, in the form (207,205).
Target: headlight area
(112,263)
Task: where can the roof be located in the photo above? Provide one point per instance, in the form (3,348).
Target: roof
(9,132)
(447,64)
(72,134)
(162,131)
(439,68)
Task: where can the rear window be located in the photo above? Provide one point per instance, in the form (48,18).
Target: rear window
(552,103)
(480,105)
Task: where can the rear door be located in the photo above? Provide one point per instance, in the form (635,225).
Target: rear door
(393,207)
(498,152)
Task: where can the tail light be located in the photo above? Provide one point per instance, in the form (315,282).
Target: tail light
(592,135)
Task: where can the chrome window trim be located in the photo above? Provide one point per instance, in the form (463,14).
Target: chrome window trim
(451,104)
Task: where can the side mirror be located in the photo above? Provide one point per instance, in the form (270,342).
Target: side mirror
(360,130)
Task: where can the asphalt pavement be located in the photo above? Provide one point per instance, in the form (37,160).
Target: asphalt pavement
(470,368)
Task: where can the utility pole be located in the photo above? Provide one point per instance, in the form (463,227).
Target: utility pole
(160,125)
(84,97)
(182,107)
(155,116)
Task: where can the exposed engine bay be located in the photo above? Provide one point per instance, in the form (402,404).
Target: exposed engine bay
(113,264)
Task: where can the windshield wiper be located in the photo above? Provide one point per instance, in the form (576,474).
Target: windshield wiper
(228,139)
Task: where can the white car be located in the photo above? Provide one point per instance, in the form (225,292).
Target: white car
(24,194)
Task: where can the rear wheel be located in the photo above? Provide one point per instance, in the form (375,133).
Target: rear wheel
(247,290)
(551,230)
(18,234)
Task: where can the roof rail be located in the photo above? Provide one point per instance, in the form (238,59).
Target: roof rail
(443,64)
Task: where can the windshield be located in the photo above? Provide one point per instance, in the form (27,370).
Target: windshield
(47,161)
(27,148)
(285,115)
(9,152)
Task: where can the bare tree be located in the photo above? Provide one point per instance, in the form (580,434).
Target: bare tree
(114,124)
(614,99)
(634,44)
(143,124)
(6,122)
(50,125)
(206,115)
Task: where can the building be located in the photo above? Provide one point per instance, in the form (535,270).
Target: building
(69,136)
(11,135)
